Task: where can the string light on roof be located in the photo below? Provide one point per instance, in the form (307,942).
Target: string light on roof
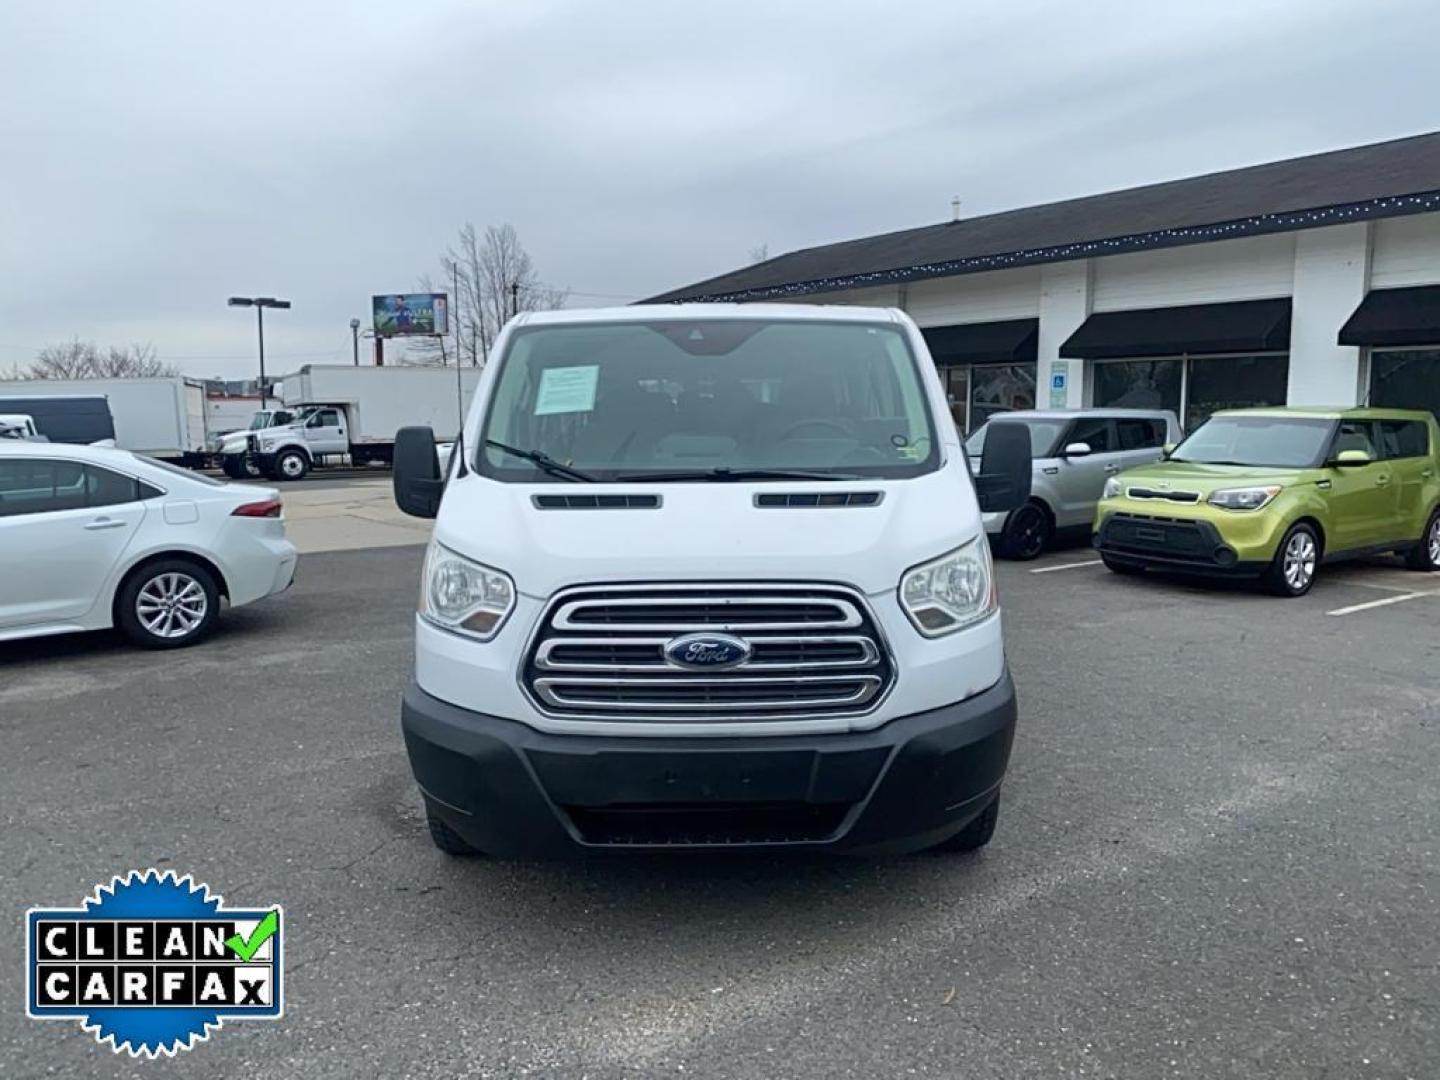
(1260,223)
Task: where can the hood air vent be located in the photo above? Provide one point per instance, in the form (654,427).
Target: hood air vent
(767,500)
(596,502)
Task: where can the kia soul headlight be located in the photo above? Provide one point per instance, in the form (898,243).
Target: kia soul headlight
(1112,488)
(951,592)
(1248,498)
(460,594)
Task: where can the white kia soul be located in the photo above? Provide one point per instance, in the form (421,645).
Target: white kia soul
(709,576)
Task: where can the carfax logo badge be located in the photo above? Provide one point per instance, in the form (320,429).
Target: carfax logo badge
(151,963)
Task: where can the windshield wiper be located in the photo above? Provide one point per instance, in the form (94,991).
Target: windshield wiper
(722,473)
(544,462)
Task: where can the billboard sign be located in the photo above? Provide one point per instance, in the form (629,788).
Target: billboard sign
(411,314)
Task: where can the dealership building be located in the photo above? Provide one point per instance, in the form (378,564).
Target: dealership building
(1311,281)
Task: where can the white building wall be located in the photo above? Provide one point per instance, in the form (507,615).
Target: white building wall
(1405,251)
(1332,272)
(971,298)
(1251,268)
(1065,294)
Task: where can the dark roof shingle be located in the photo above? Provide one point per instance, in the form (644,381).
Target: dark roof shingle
(1385,179)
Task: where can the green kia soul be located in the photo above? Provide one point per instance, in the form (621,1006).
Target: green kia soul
(1272,493)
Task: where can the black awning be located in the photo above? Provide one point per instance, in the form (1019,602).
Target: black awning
(1010,342)
(1395,317)
(1241,326)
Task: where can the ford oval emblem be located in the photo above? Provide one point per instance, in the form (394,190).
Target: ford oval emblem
(713,651)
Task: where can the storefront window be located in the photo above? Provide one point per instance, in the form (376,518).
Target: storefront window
(997,388)
(1193,387)
(957,391)
(1233,382)
(976,392)
(1139,384)
(1406,379)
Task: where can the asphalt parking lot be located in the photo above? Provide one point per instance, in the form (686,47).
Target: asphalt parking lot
(1217,857)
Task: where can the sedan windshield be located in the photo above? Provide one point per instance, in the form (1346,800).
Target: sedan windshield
(1043,434)
(1285,442)
(707,399)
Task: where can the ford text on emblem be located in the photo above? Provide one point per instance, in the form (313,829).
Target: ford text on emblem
(707,651)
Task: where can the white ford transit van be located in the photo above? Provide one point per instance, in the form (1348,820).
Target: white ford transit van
(709,576)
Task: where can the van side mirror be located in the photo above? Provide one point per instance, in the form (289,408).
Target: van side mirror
(1004,479)
(1167,450)
(416,477)
(1076,449)
(1351,459)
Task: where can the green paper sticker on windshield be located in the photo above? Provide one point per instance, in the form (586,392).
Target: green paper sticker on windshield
(567,390)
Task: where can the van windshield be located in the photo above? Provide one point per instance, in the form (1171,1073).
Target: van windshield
(1269,441)
(707,398)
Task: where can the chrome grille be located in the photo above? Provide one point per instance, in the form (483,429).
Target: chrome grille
(600,654)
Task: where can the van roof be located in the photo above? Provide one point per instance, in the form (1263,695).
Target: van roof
(665,312)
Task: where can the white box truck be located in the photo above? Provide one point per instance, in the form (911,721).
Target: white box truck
(349,415)
(162,417)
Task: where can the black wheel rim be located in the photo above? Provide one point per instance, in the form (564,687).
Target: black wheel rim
(1028,529)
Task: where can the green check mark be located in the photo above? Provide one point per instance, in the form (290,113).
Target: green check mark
(246,948)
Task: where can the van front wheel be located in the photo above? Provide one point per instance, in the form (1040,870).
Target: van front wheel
(447,839)
(975,835)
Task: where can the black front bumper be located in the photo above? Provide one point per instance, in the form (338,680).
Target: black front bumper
(512,791)
(1192,547)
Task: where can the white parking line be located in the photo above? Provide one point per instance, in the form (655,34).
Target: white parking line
(1065,566)
(1378,603)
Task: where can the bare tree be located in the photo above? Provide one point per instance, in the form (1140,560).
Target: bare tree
(491,275)
(78,359)
(760,253)
(133,362)
(67,360)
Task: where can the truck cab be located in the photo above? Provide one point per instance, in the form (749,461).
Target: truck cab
(283,444)
(709,576)
(19,426)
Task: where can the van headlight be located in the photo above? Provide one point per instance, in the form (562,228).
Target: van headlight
(1249,498)
(1112,488)
(462,595)
(951,592)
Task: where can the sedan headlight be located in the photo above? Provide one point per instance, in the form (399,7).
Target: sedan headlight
(462,595)
(1250,498)
(951,592)
(1112,488)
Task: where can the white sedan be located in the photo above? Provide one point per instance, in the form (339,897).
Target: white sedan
(92,537)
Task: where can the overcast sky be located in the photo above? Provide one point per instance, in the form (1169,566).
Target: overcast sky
(158,157)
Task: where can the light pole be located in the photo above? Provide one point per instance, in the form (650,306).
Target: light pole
(355,340)
(259,303)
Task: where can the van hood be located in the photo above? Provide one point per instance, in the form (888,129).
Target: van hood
(1193,476)
(710,531)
